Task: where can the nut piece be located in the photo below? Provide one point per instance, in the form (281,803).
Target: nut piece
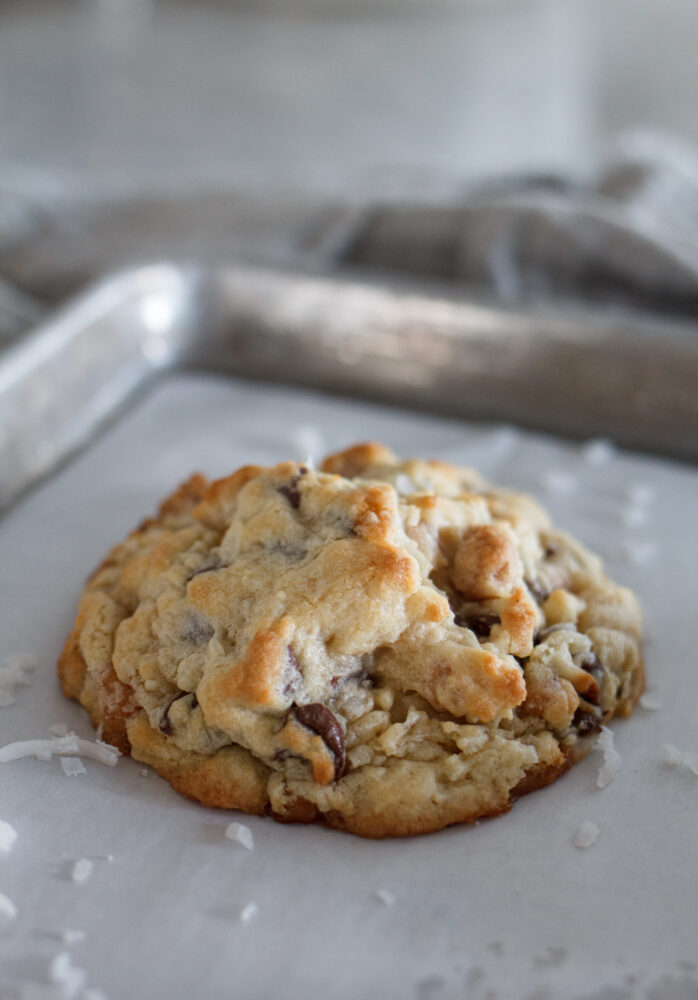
(486,563)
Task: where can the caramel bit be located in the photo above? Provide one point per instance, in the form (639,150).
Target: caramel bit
(376,515)
(519,620)
(486,563)
(251,682)
(353,461)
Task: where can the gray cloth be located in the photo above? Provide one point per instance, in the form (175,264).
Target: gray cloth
(629,238)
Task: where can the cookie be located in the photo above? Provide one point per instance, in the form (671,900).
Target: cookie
(389,647)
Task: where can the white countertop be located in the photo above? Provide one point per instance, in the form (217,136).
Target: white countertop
(508,909)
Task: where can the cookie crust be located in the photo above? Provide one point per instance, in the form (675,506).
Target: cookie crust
(387,647)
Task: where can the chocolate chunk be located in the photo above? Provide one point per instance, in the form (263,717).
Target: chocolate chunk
(545,632)
(291,492)
(165,726)
(320,720)
(208,567)
(593,666)
(586,723)
(292,672)
(481,624)
(197,631)
(538,591)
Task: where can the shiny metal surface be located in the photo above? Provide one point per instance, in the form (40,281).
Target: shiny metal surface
(570,374)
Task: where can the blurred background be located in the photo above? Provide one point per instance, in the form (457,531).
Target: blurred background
(258,128)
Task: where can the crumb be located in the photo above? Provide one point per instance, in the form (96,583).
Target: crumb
(650,702)
(58,729)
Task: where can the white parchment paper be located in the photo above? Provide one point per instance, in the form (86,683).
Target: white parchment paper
(503,910)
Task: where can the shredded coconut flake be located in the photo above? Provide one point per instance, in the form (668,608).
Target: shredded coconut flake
(308,440)
(248,913)
(72,936)
(639,553)
(8,835)
(674,757)
(7,907)
(611,758)
(59,729)
(68,745)
(598,451)
(633,517)
(586,834)
(72,766)
(82,869)
(404,485)
(240,833)
(641,494)
(385,896)
(71,978)
(650,702)
(13,673)
(557,481)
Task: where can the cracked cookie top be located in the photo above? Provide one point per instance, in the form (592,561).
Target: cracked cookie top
(333,626)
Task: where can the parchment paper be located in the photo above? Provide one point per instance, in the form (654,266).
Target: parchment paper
(506,909)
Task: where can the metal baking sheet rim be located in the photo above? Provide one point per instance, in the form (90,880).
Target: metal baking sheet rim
(569,373)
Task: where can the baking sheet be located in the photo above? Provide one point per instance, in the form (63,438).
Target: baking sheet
(506,909)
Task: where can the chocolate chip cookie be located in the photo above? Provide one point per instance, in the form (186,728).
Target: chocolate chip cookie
(387,646)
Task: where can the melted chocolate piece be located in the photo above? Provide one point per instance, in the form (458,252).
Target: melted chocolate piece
(207,567)
(586,723)
(320,720)
(545,632)
(197,631)
(294,671)
(538,591)
(165,726)
(291,492)
(593,666)
(481,624)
